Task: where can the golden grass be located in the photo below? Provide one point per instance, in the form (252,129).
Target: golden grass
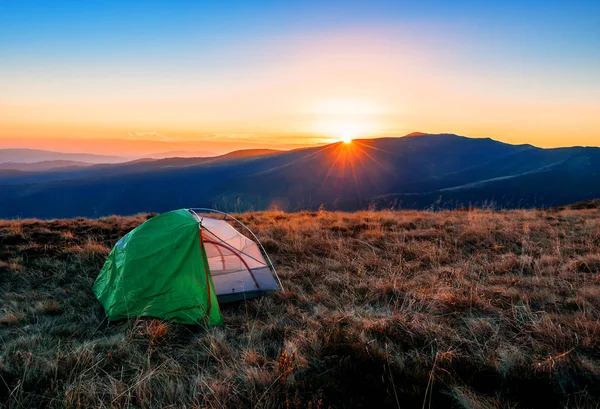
(466,309)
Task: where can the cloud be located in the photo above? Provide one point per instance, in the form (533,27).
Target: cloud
(149,135)
(231,136)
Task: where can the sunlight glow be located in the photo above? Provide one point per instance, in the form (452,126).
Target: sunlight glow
(345,130)
(346,119)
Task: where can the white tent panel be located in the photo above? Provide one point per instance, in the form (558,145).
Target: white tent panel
(237,266)
(239,283)
(221,232)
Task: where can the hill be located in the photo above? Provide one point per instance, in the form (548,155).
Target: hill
(140,167)
(586,204)
(42,166)
(465,309)
(37,155)
(416,172)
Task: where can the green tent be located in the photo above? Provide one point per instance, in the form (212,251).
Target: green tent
(160,269)
(180,265)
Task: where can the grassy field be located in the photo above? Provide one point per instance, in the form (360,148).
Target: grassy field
(465,309)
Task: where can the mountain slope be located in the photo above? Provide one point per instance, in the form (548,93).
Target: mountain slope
(553,180)
(354,173)
(139,166)
(43,166)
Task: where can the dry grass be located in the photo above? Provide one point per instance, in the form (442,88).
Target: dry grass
(465,309)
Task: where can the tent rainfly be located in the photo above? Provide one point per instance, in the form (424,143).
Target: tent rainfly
(179,266)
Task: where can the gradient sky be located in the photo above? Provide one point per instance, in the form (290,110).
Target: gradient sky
(286,73)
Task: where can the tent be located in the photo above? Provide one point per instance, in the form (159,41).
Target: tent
(179,266)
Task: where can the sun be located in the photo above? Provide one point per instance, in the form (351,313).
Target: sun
(346,120)
(346,132)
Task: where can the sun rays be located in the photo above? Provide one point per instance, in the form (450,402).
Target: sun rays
(354,165)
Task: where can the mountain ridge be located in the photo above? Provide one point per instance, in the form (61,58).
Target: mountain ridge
(444,170)
(43,165)
(27,155)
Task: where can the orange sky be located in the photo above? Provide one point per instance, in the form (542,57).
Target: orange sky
(299,91)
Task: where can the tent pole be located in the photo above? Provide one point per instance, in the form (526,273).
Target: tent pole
(234,251)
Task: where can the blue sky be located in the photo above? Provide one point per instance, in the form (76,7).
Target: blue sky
(90,27)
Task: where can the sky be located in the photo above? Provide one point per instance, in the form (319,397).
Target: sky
(130,77)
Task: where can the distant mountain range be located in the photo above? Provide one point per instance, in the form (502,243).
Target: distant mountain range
(43,165)
(416,171)
(42,160)
(37,155)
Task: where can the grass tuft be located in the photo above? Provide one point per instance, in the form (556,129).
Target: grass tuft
(11,318)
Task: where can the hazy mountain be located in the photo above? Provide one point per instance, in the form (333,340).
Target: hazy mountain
(138,146)
(138,166)
(419,171)
(414,134)
(43,166)
(36,155)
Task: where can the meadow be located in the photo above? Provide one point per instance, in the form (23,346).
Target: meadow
(464,309)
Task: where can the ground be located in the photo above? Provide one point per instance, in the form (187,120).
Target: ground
(465,309)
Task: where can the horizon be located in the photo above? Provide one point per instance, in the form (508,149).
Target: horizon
(145,77)
(158,154)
